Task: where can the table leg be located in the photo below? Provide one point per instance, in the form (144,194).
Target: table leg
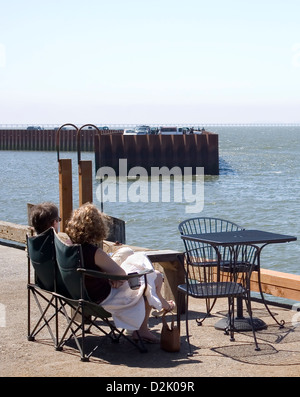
(281,322)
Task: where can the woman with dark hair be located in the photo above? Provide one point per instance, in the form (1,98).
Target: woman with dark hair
(43,216)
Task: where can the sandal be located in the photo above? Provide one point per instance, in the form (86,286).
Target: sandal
(159,313)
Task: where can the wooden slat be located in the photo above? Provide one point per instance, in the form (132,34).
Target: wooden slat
(284,285)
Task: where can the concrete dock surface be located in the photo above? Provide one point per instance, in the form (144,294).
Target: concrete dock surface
(214,354)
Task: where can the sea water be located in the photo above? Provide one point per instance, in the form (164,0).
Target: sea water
(258,188)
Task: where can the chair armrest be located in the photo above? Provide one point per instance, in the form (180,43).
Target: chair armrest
(95,273)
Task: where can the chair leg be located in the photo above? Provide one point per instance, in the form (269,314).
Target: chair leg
(180,297)
(209,308)
(83,355)
(180,304)
(43,320)
(29,336)
(56,323)
(281,323)
(249,309)
(230,329)
(70,323)
(187,324)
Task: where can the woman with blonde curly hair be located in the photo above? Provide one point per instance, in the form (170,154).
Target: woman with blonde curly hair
(88,226)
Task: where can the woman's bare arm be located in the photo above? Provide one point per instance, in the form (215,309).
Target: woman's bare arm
(106,264)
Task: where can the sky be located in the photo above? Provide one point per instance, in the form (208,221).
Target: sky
(149,61)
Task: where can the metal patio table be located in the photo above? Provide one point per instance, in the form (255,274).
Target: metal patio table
(233,239)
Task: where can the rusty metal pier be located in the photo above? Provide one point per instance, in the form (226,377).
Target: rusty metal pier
(193,150)
(147,151)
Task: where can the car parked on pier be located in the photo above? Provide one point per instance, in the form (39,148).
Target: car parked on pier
(129,132)
(33,127)
(142,130)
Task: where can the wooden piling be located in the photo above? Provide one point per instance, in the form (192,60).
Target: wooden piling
(85,182)
(65,191)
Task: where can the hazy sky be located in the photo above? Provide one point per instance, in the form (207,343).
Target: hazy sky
(149,61)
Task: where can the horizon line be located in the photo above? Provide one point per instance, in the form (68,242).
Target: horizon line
(196,124)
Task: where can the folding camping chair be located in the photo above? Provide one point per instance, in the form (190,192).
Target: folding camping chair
(41,255)
(70,264)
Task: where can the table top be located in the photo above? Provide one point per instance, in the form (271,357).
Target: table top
(240,237)
(163,255)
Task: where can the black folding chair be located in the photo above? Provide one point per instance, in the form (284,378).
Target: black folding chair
(42,286)
(72,273)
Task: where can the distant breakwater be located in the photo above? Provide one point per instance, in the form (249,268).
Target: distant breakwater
(193,150)
(45,139)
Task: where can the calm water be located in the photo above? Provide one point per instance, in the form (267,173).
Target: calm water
(258,187)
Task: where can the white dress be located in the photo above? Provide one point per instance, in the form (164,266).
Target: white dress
(126,305)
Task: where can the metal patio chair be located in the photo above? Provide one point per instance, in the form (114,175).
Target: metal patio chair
(71,268)
(230,281)
(200,225)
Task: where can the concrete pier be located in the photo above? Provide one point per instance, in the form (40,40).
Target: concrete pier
(214,354)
